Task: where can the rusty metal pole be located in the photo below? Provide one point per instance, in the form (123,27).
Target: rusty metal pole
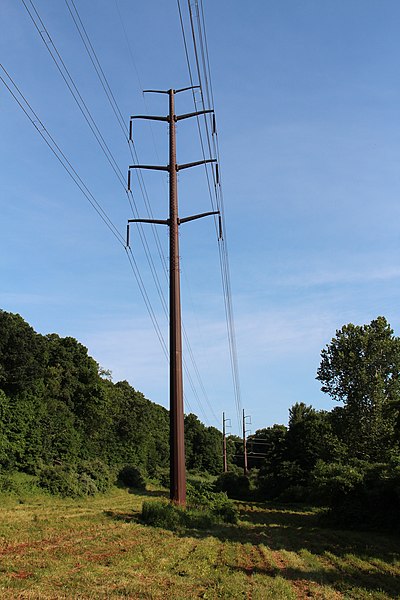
(177,441)
(225,462)
(177,432)
(244,446)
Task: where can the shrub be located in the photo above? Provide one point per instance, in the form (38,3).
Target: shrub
(87,487)
(98,472)
(131,476)
(273,485)
(169,516)
(372,503)
(60,481)
(332,482)
(224,509)
(218,508)
(236,486)
(161,514)
(294,493)
(7,484)
(18,484)
(200,495)
(164,477)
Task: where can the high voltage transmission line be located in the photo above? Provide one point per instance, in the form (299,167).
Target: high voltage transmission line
(26,107)
(202,68)
(209,146)
(61,66)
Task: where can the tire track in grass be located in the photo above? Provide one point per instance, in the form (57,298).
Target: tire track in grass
(360,577)
(246,563)
(234,566)
(48,544)
(290,567)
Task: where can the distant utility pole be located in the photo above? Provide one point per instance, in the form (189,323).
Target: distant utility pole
(225,460)
(177,434)
(245,469)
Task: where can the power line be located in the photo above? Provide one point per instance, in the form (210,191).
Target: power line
(217,188)
(25,106)
(56,56)
(58,153)
(223,251)
(69,81)
(118,114)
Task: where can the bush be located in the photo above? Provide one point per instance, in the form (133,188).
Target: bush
(98,472)
(131,476)
(60,481)
(332,482)
(164,478)
(372,503)
(236,486)
(224,509)
(87,479)
(87,487)
(7,484)
(294,493)
(162,514)
(273,485)
(18,484)
(200,495)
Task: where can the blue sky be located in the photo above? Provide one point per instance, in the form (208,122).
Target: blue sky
(307,98)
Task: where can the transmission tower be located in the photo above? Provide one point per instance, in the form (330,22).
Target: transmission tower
(177,435)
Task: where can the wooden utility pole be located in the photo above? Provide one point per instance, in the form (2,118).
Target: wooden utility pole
(177,434)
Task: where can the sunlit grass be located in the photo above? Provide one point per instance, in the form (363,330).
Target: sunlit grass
(98,548)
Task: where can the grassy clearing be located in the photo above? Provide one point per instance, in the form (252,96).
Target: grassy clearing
(97,548)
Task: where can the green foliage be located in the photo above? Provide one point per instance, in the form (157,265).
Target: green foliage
(87,479)
(202,495)
(132,477)
(162,514)
(331,482)
(361,368)
(203,446)
(56,408)
(63,418)
(97,475)
(310,437)
(60,481)
(236,486)
(210,512)
(18,484)
(373,502)
(287,476)
(270,442)
(21,354)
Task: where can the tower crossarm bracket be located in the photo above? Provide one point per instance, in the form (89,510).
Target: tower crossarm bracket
(193,114)
(199,216)
(150,117)
(155,167)
(154,221)
(194,164)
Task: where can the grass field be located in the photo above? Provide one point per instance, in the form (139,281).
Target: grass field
(97,548)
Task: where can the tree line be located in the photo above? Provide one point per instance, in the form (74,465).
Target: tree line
(347,458)
(64,421)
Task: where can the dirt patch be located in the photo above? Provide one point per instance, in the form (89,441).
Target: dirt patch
(21,575)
